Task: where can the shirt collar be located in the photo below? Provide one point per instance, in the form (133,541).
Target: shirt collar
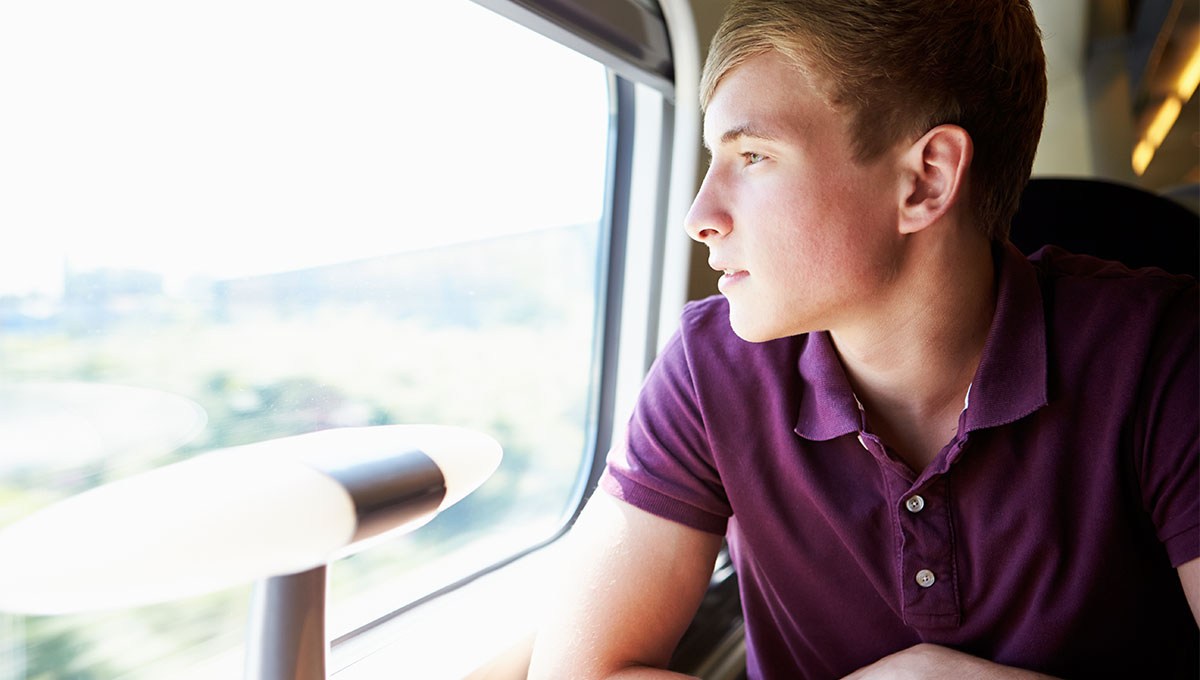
(828,407)
(1009,384)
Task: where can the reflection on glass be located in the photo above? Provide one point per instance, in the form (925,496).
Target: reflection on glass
(238,221)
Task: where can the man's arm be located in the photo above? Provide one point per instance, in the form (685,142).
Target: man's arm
(931,662)
(1189,576)
(635,581)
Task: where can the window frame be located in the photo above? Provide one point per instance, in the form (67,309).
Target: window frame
(649,185)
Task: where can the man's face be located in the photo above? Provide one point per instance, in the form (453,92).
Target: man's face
(806,236)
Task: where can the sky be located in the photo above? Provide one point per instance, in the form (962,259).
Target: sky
(232,138)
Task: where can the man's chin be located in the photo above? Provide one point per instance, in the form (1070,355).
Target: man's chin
(756,329)
(752,332)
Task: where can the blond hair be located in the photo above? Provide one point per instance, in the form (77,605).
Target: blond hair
(898,68)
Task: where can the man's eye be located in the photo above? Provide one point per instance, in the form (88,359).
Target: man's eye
(752,158)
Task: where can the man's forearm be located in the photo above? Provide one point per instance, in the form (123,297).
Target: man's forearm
(630,673)
(932,662)
(646,673)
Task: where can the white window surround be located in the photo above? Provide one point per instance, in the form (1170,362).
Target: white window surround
(461,631)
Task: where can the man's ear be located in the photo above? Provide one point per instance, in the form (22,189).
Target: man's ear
(934,171)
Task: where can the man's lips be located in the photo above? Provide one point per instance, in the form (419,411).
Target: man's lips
(725,268)
(729,276)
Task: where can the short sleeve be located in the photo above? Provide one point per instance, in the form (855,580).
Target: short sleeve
(664,464)
(1169,429)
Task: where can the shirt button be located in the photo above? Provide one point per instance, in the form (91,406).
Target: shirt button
(925,578)
(915,504)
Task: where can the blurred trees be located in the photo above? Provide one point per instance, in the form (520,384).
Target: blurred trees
(495,335)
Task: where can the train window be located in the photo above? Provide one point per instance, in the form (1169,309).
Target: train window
(233,221)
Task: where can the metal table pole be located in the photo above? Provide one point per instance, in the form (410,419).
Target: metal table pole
(286,640)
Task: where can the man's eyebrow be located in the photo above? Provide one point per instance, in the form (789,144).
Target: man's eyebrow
(740,131)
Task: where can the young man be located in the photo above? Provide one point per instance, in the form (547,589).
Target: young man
(931,456)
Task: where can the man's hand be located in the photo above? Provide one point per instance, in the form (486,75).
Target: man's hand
(931,662)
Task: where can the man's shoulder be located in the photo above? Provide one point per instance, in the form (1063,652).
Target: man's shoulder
(704,329)
(1085,271)
(1107,289)
(714,355)
(705,324)
(710,314)
(1100,312)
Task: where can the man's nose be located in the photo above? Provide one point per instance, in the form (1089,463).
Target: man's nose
(708,217)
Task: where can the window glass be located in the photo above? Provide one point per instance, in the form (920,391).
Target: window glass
(232,221)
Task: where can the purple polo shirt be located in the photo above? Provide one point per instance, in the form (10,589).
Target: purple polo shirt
(1044,535)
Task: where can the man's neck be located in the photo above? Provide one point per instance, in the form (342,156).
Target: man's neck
(912,361)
